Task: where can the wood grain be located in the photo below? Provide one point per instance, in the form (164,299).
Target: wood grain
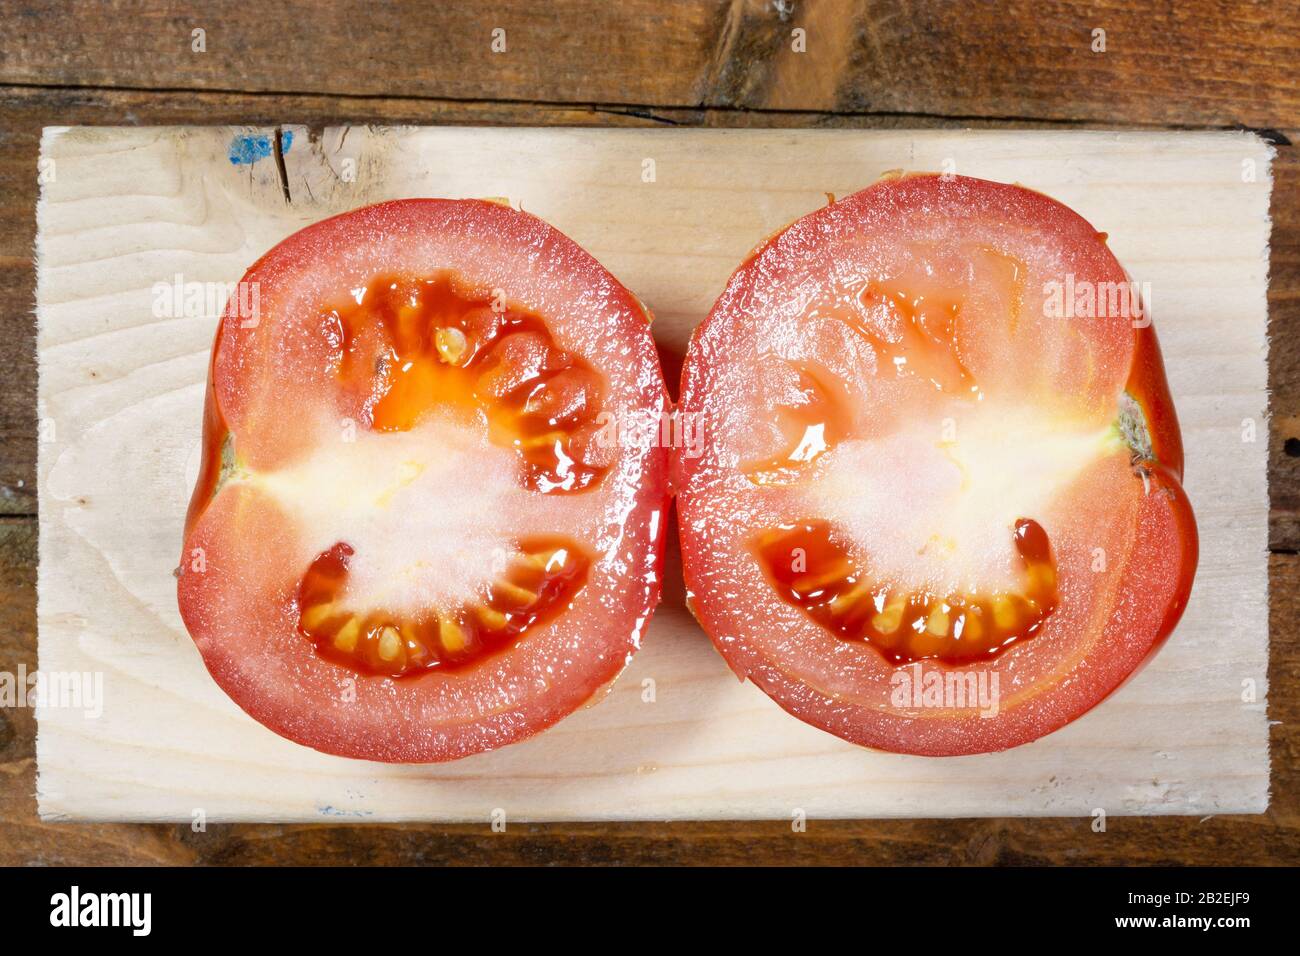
(1162,63)
(131,208)
(568,50)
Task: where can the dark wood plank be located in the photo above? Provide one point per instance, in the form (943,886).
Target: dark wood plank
(637,51)
(1284,351)
(1215,62)
(1208,63)
(17,646)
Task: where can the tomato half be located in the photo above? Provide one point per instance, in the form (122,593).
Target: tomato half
(938,506)
(418,531)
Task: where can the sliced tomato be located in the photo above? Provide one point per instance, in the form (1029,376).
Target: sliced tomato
(419,531)
(938,508)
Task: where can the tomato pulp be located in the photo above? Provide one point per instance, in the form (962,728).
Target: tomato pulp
(938,509)
(415,534)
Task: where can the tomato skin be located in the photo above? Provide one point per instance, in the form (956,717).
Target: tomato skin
(241,557)
(1147,384)
(214,436)
(842,687)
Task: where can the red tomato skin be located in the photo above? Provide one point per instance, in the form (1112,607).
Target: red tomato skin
(1148,385)
(388,721)
(1166,538)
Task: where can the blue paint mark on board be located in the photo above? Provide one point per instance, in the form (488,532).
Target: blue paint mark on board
(246,150)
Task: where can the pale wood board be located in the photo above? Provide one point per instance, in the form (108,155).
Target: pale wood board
(128,208)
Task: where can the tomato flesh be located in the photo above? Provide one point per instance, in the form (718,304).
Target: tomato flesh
(915,463)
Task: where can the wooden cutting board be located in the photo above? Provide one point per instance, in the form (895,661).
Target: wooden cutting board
(671,213)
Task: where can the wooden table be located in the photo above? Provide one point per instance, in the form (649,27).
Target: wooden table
(1203,65)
